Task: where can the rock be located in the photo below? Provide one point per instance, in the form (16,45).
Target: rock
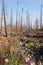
(40,64)
(6,60)
(21,43)
(27,59)
(32,63)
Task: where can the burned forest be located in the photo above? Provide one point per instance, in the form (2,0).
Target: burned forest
(21,41)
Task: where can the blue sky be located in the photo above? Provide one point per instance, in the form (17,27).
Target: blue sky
(32,6)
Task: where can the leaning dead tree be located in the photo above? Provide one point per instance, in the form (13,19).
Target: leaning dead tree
(3,15)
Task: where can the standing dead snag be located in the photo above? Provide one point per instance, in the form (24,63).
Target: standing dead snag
(3,11)
(21,21)
(2,15)
(41,17)
(31,24)
(1,24)
(11,22)
(16,21)
(17,16)
(5,25)
(28,21)
(24,27)
(37,24)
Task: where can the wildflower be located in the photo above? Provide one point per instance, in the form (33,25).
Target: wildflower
(11,49)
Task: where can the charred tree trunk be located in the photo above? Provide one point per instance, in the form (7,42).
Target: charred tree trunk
(17,17)
(5,34)
(41,17)
(11,23)
(3,12)
(28,21)
(1,24)
(16,22)
(21,29)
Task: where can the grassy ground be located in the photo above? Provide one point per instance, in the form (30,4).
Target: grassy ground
(11,52)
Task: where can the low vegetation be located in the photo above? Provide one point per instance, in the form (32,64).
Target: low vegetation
(13,50)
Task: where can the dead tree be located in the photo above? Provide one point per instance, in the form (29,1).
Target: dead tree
(5,26)
(2,15)
(21,29)
(19,22)
(31,23)
(36,24)
(24,26)
(3,12)
(41,17)
(1,24)
(16,21)
(11,23)
(17,16)
(28,21)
